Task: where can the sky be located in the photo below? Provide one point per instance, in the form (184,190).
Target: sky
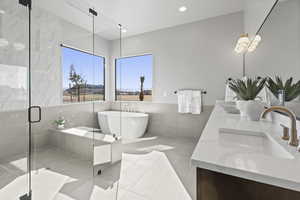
(132,68)
(89,66)
(92,68)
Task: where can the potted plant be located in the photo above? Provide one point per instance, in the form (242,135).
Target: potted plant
(246,94)
(291,92)
(60,123)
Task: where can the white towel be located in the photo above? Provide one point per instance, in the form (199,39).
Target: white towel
(184,101)
(190,101)
(229,94)
(180,99)
(196,107)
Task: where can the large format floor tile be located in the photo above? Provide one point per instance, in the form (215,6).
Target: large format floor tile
(152,168)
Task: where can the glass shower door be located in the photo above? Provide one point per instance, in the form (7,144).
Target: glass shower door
(33,102)
(14,69)
(107,146)
(62,73)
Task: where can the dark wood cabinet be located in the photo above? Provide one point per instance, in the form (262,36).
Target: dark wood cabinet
(216,186)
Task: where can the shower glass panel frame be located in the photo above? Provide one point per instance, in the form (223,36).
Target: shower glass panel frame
(14,99)
(61,159)
(36,48)
(107,42)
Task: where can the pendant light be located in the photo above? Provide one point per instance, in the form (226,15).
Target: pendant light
(242,44)
(254,43)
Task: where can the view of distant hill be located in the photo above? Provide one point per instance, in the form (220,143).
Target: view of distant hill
(87,89)
(136,92)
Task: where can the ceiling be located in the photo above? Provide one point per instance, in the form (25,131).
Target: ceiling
(138,16)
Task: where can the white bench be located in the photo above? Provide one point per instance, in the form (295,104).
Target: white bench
(87,143)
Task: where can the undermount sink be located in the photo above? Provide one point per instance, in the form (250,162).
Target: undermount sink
(253,142)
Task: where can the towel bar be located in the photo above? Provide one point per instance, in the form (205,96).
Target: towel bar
(202,91)
(230,79)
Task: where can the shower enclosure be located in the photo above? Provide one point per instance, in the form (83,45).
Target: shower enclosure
(54,64)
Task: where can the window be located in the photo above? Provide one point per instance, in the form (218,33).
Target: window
(83,76)
(134,78)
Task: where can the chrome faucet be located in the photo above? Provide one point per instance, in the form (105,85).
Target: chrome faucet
(293,140)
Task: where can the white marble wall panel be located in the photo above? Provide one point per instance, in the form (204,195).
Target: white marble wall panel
(48,33)
(46,59)
(13,56)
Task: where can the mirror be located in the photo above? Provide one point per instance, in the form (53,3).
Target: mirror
(278,53)
(255,13)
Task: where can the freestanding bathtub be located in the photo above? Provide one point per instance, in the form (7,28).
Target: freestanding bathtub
(127,125)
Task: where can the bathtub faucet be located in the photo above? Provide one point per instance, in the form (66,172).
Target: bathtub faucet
(126,107)
(131,108)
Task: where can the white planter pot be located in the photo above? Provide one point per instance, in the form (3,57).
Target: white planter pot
(241,105)
(61,126)
(254,109)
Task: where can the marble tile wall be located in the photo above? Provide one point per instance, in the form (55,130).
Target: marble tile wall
(45,39)
(47,34)
(13,56)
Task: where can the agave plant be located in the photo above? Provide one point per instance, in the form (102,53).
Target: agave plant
(247,89)
(292,90)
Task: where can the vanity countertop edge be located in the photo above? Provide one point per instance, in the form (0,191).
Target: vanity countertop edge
(210,153)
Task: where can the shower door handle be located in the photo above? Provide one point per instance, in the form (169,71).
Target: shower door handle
(39,113)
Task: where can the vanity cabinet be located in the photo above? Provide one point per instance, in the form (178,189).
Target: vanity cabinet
(216,186)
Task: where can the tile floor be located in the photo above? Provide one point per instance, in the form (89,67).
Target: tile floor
(152,168)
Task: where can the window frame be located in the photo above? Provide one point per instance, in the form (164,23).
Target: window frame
(104,75)
(132,56)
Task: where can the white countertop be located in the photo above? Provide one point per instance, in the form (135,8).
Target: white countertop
(229,154)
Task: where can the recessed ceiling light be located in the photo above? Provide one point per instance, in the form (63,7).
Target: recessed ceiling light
(182,9)
(124,30)
(2,11)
